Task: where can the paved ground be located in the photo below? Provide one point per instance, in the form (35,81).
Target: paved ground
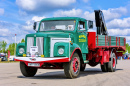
(10,75)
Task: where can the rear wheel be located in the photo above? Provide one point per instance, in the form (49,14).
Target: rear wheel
(112,63)
(27,71)
(104,67)
(72,68)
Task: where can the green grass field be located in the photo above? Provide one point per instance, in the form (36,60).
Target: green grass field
(8,61)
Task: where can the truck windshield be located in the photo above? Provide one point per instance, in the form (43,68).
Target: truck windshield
(57,25)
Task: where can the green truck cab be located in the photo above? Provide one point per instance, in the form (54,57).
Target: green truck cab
(64,43)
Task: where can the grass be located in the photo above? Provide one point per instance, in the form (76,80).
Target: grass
(8,61)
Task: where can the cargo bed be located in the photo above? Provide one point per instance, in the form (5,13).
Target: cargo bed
(104,41)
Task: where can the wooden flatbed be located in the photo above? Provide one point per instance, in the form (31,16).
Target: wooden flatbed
(104,41)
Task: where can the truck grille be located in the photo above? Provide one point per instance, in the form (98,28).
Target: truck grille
(39,43)
(30,42)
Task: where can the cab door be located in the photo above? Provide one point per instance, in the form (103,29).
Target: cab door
(82,36)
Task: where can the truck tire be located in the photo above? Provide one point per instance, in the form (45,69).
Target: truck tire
(104,67)
(27,71)
(72,68)
(82,67)
(112,63)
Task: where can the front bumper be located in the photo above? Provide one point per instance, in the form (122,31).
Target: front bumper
(42,60)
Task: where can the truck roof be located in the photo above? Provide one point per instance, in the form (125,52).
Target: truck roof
(63,18)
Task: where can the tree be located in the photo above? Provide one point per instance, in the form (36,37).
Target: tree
(0,46)
(129,49)
(22,40)
(11,48)
(127,46)
(3,45)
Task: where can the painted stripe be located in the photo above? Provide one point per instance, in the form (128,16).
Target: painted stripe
(74,52)
(38,60)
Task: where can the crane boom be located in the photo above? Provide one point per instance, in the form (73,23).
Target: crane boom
(100,23)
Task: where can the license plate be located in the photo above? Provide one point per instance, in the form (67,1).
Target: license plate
(34,64)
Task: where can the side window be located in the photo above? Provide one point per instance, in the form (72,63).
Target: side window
(81,25)
(42,27)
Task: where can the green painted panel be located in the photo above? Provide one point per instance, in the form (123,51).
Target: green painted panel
(101,40)
(113,41)
(20,45)
(62,45)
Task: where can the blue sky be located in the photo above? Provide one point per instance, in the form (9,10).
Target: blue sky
(17,16)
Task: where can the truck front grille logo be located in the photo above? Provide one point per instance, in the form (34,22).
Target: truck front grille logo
(32,59)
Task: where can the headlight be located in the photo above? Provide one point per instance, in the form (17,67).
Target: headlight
(28,54)
(61,51)
(36,54)
(21,50)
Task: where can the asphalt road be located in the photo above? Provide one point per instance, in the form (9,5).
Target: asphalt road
(10,75)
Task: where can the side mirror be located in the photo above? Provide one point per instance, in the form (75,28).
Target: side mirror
(34,25)
(90,24)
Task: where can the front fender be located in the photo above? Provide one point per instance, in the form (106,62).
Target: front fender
(20,45)
(65,46)
(73,47)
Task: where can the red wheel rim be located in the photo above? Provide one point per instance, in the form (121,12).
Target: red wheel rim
(113,62)
(75,65)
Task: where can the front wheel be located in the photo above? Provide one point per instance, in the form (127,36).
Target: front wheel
(82,67)
(72,68)
(27,71)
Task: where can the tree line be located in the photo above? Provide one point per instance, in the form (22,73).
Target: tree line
(11,47)
(127,48)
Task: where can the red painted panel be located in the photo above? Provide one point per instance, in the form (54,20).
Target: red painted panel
(91,40)
(119,53)
(105,56)
(89,56)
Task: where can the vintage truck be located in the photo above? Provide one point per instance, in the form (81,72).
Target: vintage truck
(65,43)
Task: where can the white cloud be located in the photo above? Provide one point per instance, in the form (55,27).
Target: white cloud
(29,24)
(34,5)
(22,13)
(5,39)
(3,32)
(112,13)
(72,13)
(119,32)
(109,14)
(119,23)
(89,15)
(27,4)
(1,11)
(8,31)
(127,39)
(36,18)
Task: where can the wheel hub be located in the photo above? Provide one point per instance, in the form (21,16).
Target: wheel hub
(114,62)
(75,65)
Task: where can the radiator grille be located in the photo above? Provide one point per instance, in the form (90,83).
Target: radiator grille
(39,43)
(30,42)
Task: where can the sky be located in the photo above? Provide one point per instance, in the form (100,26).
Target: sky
(17,16)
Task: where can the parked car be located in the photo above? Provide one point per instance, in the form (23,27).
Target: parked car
(3,57)
(11,58)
